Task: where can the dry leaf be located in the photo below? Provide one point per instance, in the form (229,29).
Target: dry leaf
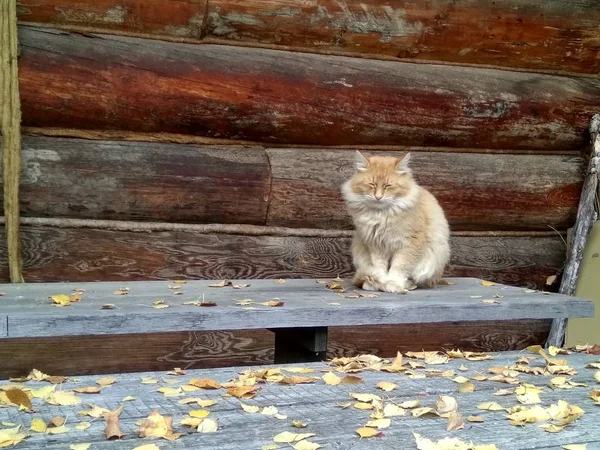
(83,426)
(95,412)
(208,426)
(445,404)
(112,429)
(121,291)
(365,398)
(38,425)
(410,404)
(331,379)
(56,421)
(575,447)
(157,426)
(361,405)
(170,392)
(205,383)
(106,381)
(61,300)
(273,303)
(297,380)
(199,413)
(380,424)
(550,280)
(147,447)
(160,306)
(418,412)
(487,283)
(148,380)
(490,301)
(455,422)
(269,411)
(129,398)
(386,386)
(443,282)
(280,281)
(298,424)
(79,446)
(351,379)
(87,390)
(306,445)
(11,436)
(391,410)
(108,306)
(245,392)
(460,380)
(448,444)
(18,397)
(177,371)
(466,387)
(287,437)
(490,406)
(366,432)
(475,419)
(63,398)
(221,284)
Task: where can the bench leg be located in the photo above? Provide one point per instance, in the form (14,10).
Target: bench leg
(295,345)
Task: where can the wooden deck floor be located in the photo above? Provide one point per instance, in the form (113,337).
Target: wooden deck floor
(316,405)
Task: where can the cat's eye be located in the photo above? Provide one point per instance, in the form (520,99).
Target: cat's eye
(385,186)
(373,185)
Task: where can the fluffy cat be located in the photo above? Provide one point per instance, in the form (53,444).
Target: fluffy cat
(401,234)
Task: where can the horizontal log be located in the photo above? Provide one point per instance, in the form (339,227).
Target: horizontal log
(163,351)
(83,254)
(550,35)
(143,181)
(477,191)
(176,19)
(117,83)
(115,180)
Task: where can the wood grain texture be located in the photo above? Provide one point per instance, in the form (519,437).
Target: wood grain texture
(333,428)
(549,35)
(197,350)
(306,305)
(136,353)
(114,180)
(477,191)
(117,83)
(552,35)
(175,19)
(52,254)
(143,181)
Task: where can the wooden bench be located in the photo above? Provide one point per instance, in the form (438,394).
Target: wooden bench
(317,405)
(300,324)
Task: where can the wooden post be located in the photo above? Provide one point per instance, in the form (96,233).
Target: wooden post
(586,216)
(10,112)
(295,345)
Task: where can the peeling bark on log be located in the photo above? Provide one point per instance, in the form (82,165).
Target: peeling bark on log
(117,83)
(550,35)
(112,180)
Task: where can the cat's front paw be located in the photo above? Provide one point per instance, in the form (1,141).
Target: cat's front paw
(370,285)
(395,287)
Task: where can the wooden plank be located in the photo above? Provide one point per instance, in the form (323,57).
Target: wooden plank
(79,254)
(552,35)
(306,305)
(120,83)
(143,181)
(175,19)
(316,404)
(477,191)
(163,351)
(64,177)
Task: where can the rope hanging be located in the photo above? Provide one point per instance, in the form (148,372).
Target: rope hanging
(10,122)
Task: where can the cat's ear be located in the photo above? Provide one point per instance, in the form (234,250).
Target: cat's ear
(402,166)
(360,161)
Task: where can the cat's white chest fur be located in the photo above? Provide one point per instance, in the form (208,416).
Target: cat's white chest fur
(377,228)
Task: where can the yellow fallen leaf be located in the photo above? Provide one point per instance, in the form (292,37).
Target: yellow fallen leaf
(148,380)
(351,379)
(445,404)
(147,447)
(221,284)
(362,405)
(58,430)
(208,426)
(38,425)
(249,408)
(191,422)
(529,415)
(18,397)
(366,432)
(112,429)
(63,398)
(269,411)
(466,387)
(160,306)
(87,390)
(529,398)
(83,426)
(487,283)
(448,443)
(365,398)
(298,424)
(11,436)
(436,358)
(245,392)
(460,380)
(287,437)
(121,291)
(418,412)
(455,422)
(331,379)
(61,300)
(170,392)
(597,376)
(156,425)
(410,404)
(490,406)
(80,446)
(386,386)
(95,412)
(391,410)
(108,306)
(380,424)
(575,447)
(306,445)
(43,392)
(199,413)
(205,383)
(129,398)
(475,419)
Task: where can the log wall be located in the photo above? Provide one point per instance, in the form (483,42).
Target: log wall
(208,139)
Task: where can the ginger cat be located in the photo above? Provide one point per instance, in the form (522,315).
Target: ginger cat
(402,237)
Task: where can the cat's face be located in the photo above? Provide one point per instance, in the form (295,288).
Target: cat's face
(382,181)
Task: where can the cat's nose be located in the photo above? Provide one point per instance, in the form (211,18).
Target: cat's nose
(378,197)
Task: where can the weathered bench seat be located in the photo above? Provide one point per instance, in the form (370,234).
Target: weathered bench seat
(308,308)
